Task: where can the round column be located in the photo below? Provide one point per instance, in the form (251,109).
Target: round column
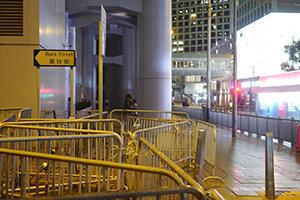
(155,72)
(127,69)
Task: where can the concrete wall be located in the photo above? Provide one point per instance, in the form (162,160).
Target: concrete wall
(18,85)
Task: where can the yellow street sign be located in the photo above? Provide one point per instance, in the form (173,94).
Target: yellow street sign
(54,58)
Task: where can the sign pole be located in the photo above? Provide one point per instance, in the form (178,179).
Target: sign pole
(71,91)
(38,91)
(100,69)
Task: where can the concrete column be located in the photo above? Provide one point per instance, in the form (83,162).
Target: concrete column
(127,70)
(155,71)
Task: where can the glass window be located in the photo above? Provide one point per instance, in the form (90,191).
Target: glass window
(199,22)
(199,35)
(199,28)
(193,16)
(226,6)
(186,30)
(174,30)
(180,17)
(186,4)
(186,23)
(213,34)
(220,20)
(220,33)
(193,10)
(174,18)
(186,10)
(193,42)
(180,11)
(205,28)
(193,29)
(199,41)
(180,37)
(174,12)
(193,49)
(193,36)
(174,24)
(186,42)
(226,26)
(180,5)
(199,9)
(226,33)
(186,49)
(220,14)
(205,41)
(199,48)
(174,37)
(199,16)
(186,36)
(180,24)
(220,27)
(180,30)
(213,14)
(226,19)
(193,23)
(205,48)
(193,3)
(205,35)
(227,13)
(186,17)
(213,21)
(174,5)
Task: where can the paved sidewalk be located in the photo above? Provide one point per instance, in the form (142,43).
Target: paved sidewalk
(240,163)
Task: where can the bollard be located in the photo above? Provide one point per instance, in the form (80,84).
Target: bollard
(270,186)
(298,139)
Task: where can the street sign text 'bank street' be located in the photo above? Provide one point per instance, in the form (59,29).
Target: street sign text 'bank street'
(65,58)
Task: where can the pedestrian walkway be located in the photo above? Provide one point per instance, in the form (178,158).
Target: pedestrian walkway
(240,163)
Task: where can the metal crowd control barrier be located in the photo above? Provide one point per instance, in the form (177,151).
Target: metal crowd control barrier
(24,176)
(148,155)
(19,112)
(210,148)
(152,193)
(106,146)
(93,114)
(122,113)
(174,140)
(90,124)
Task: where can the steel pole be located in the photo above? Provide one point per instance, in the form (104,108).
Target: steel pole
(208,71)
(234,93)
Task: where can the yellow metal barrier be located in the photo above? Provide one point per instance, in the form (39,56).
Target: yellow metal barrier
(90,124)
(18,111)
(122,113)
(107,146)
(25,174)
(210,148)
(174,140)
(149,155)
(176,192)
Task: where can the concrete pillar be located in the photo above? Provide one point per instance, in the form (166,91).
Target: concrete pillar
(127,69)
(155,73)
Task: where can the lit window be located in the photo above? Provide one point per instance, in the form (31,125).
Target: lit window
(186,10)
(174,50)
(193,16)
(180,49)
(214,14)
(180,11)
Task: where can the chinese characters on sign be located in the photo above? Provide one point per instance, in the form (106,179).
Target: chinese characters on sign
(54,58)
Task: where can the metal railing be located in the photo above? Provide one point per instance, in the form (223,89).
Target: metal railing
(282,129)
(18,111)
(210,148)
(122,113)
(174,140)
(149,155)
(152,193)
(60,177)
(90,124)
